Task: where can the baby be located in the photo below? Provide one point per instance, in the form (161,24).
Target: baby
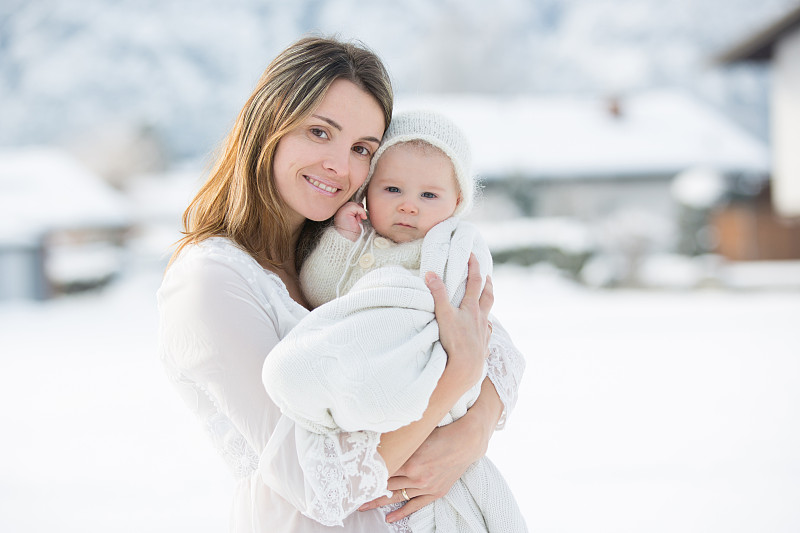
(418,178)
(328,375)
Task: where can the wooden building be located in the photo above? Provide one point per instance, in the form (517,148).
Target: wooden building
(769,226)
(779,45)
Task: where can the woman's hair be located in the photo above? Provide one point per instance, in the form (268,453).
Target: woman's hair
(240,199)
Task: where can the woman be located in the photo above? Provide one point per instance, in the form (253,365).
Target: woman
(300,148)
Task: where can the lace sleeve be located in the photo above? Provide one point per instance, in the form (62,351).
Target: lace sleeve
(340,471)
(505,368)
(220,316)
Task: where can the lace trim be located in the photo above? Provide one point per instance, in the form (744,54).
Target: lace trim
(402,525)
(348,472)
(240,457)
(505,368)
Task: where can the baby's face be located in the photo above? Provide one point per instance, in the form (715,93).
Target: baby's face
(412,189)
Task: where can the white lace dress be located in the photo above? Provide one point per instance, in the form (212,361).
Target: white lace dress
(220,315)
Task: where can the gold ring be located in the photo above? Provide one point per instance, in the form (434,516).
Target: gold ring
(491,329)
(405,494)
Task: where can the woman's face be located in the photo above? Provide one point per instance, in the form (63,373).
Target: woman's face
(320,164)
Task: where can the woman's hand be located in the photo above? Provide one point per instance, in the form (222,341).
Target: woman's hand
(431,470)
(464,331)
(437,464)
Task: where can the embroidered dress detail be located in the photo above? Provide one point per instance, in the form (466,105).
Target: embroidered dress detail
(505,369)
(340,462)
(216,371)
(401,526)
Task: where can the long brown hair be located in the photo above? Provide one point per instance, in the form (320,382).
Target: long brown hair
(240,200)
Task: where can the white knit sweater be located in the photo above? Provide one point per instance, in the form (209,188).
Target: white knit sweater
(337,263)
(370,360)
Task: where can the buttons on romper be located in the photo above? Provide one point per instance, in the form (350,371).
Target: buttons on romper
(366,261)
(381,242)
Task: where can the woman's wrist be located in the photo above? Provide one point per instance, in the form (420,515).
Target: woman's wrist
(461,375)
(465,362)
(398,445)
(485,413)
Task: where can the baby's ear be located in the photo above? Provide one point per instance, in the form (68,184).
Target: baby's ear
(458,200)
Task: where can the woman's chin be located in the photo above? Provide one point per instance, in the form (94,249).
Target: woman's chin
(320,215)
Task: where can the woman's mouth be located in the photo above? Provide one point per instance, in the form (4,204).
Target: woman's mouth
(321,186)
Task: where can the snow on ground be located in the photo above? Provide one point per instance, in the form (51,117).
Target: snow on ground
(639,412)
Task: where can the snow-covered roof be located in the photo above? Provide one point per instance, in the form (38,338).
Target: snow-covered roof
(544,137)
(760,46)
(45,188)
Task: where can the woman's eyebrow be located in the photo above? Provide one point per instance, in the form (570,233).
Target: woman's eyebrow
(329,121)
(336,125)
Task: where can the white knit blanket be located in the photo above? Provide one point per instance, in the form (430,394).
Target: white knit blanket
(370,360)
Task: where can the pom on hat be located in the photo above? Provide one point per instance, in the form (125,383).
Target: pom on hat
(436,130)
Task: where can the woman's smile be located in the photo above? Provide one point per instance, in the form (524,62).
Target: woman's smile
(322,186)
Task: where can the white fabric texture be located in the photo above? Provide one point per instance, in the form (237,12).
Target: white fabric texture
(329,375)
(220,316)
(332,269)
(334,266)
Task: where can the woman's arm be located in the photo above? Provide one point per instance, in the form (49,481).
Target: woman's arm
(433,468)
(464,335)
(219,319)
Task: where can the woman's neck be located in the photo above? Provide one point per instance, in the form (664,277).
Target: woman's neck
(287,271)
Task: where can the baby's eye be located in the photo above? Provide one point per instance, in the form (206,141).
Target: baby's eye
(392,189)
(428,195)
(318,132)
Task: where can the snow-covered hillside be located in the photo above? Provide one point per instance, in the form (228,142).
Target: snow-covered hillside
(639,412)
(71,70)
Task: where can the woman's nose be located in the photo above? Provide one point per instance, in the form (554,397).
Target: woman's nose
(337,161)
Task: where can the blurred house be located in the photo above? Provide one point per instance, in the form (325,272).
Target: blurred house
(779,44)
(61,227)
(773,219)
(643,172)
(590,157)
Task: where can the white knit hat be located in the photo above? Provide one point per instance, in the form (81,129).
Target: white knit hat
(436,130)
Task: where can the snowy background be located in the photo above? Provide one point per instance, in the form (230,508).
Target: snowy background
(675,408)
(92,74)
(639,412)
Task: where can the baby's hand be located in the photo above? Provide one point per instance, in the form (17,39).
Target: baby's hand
(347,220)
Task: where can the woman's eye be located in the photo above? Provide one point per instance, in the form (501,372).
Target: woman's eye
(362,150)
(428,195)
(392,189)
(317,132)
